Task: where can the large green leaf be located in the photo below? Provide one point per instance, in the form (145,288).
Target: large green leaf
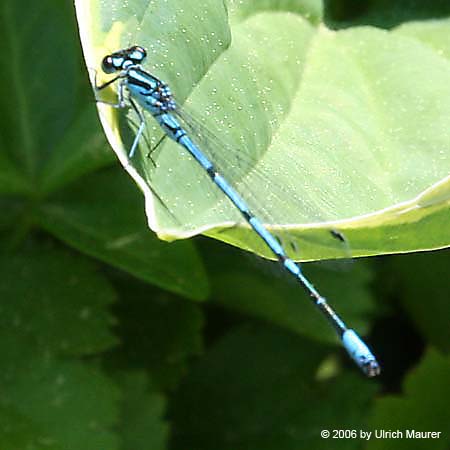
(338,129)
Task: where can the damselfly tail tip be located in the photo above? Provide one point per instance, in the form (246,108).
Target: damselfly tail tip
(360,353)
(371,368)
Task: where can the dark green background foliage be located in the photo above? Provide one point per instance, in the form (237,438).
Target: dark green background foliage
(111,339)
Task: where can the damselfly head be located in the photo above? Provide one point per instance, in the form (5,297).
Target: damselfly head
(123,58)
(136,53)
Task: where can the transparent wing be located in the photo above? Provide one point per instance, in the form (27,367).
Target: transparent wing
(187,197)
(279,205)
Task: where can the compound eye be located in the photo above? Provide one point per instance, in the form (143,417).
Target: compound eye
(137,54)
(108,64)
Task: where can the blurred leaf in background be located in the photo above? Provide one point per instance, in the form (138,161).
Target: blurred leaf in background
(54,312)
(425,390)
(106,341)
